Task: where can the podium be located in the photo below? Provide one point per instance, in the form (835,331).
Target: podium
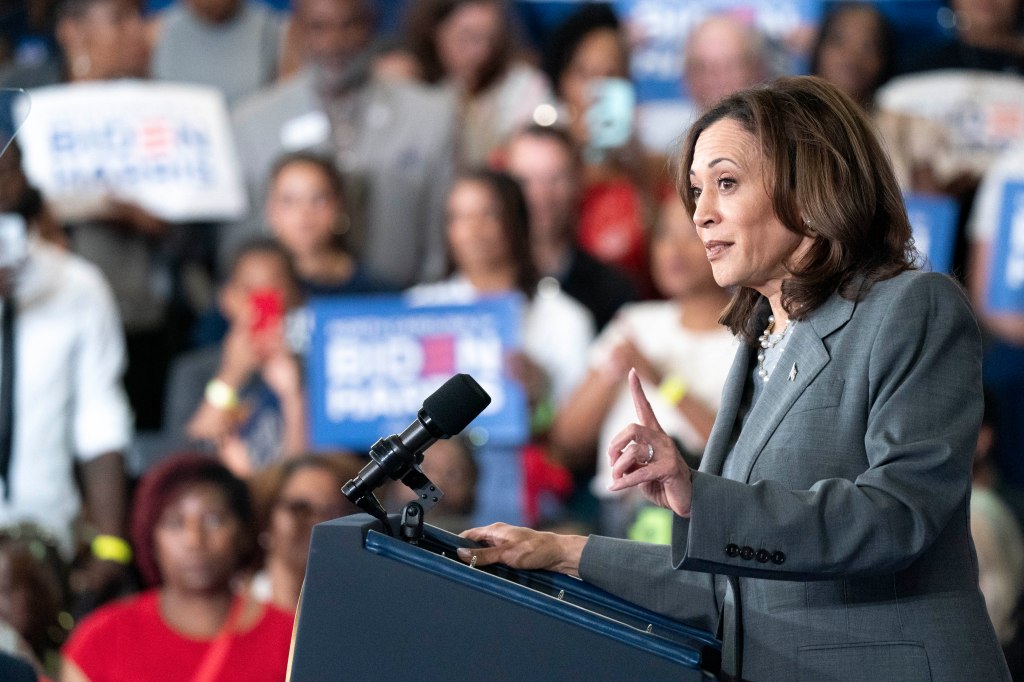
(375,607)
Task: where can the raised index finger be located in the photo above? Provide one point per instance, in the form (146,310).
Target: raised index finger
(644,413)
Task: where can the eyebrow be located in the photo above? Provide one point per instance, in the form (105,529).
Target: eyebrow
(718,160)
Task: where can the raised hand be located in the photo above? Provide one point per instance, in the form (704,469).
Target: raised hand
(643,455)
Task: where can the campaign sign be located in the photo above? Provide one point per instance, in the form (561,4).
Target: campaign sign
(166,147)
(373,359)
(1006,273)
(985,111)
(933,220)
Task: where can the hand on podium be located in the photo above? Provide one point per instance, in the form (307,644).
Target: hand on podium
(524,548)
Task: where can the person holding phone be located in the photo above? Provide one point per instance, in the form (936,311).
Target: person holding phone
(587,59)
(245,398)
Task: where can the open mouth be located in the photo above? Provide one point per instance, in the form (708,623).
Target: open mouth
(715,249)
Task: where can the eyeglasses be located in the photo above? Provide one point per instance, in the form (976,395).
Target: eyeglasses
(305,510)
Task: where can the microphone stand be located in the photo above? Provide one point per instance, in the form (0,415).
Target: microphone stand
(392,459)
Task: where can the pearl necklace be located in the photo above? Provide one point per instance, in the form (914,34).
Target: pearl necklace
(767,341)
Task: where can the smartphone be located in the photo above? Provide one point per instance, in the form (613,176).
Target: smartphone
(610,115)
(13,240)
(266,310)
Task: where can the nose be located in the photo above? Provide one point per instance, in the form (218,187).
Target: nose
(193,534)
(705,212)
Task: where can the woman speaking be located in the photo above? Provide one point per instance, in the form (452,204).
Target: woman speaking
(825,535)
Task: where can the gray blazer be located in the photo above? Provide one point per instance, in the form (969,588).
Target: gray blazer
(843,549)
(398,167)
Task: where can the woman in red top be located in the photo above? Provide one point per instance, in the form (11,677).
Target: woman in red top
(193,531)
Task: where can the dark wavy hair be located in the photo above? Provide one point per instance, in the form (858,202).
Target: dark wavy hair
(557,134)
(515,223)
(267,486)
(886,38)
(422,21)
(319,161)
(828,178)
(566,38)
(162,484)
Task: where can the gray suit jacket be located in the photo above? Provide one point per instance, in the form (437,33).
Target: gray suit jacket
(398,166)
(843,550)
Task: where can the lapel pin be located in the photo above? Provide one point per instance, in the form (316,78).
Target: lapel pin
(792,373)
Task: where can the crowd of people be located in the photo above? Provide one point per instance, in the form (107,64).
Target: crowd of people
(160,452)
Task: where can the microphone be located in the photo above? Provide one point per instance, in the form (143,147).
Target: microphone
(445,413)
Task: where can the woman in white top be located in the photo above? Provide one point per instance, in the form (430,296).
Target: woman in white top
(678,348)
(467,46)
(489,254)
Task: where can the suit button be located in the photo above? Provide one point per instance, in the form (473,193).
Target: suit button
(762,556)
(732,549)
(747,553)
(778,558)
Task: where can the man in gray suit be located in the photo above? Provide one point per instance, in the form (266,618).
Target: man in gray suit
(393,143)
(825,535)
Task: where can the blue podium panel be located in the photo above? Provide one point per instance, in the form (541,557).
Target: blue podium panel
(374,607)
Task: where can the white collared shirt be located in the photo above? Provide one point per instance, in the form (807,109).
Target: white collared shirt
(69,400)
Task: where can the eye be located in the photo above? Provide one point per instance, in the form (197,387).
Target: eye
(695,192)
(726,183)
(214,519)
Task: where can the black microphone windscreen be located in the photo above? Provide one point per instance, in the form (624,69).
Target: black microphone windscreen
(456,403)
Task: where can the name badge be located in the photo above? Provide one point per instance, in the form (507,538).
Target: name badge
(305,131)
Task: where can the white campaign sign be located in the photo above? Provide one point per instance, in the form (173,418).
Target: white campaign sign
(166,147)
(984,111)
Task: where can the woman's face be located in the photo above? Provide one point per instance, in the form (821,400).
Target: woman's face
(310,496)
(992,17)
(254,272)
(302,209)
(851,54)
(679,262)
(599,55)
(198,538)
(475,233)
(467,38)
(744,240)
(113,38)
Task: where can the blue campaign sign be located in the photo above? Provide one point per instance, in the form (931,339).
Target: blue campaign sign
(933,219)
(1006,272)
(372,360)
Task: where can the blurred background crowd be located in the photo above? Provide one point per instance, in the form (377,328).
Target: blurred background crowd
(155,442)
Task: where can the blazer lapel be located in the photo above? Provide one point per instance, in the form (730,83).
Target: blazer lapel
(802,360)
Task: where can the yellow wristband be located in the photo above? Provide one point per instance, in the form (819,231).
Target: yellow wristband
(111,548)
(543,416)
(672,389)
(221,395)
